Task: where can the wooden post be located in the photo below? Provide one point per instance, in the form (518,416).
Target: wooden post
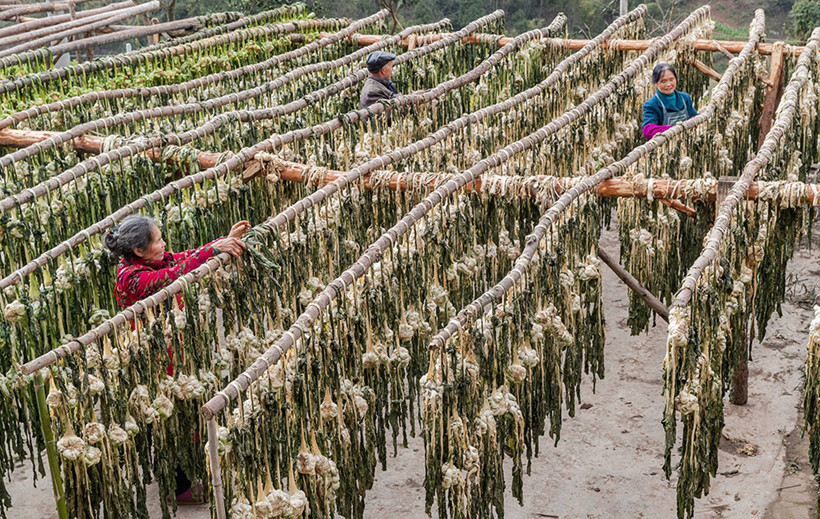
(51,447)
(740,382)
(89,51)
(155,37)
(773,92)
(216,469)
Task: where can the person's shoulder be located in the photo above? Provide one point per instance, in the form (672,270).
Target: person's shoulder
(652,102)
(126,269)
(686,97)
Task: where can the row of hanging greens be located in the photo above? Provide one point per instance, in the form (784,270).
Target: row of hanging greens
(172,54)
(488,393)
(658,243)
(811,398)
(29,63)
(118,120)
(48,167)
(489,390)
(742,273)
(86,210)
(363,381)
(253,64)
(22,312)
(219,130)
(215,25)
(236,291)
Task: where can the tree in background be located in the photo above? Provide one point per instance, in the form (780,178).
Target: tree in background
(805,17)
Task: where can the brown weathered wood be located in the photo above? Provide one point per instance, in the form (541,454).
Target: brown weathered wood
(773,93)
(706,70)
(155,36)
(624,45)
(629,280)
(127,34)
(30,35)
(31,24)
(740,381)
(121,14)
(664,190)
(678,206)
(723,50)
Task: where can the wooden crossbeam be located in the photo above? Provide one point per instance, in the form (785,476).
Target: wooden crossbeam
(575,44)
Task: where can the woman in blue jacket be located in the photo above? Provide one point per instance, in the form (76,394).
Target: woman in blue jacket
(668,106)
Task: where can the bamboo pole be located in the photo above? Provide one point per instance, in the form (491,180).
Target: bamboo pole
(282,218)
(128,34)
(37,23)
(122,14)
(51,448)
(216,468)
(31,35)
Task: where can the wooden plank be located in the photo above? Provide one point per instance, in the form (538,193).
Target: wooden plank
(773,92)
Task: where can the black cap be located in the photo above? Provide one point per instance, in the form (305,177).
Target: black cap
(378,59)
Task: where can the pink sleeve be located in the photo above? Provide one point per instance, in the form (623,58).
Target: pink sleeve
(650,130)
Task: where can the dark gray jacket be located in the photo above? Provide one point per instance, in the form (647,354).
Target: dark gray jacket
(376,88)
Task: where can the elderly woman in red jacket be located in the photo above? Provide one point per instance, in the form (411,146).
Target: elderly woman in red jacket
(145,268)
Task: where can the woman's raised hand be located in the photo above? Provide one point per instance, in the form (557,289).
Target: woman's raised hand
(239,229)
(233,246)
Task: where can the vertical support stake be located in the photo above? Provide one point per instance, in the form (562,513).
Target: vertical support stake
(51,447)
(740,381)
(216,470)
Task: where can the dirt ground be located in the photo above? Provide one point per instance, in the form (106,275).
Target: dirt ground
(608,462)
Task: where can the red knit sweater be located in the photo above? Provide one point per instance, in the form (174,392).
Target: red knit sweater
(138,279)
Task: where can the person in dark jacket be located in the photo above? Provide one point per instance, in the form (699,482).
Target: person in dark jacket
(668,106)
(378,85)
